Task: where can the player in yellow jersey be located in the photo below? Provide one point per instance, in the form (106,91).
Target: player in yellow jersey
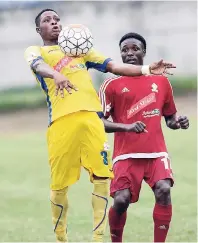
(76,136)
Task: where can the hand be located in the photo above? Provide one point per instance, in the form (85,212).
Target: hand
(183,121)
(161,68)
(173,124)
(137,127)
(63,83)
(178,122)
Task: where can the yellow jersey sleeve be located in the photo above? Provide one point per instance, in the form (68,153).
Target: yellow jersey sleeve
(96,60)
(32,54)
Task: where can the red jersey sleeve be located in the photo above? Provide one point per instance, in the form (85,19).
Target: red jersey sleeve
(106,97)
(169,107)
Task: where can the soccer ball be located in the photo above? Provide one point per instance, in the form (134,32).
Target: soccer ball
(75,40)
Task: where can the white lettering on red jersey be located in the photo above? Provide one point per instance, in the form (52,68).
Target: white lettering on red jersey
(131,99)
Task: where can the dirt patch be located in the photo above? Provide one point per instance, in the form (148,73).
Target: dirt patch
(24,121)
(37,120)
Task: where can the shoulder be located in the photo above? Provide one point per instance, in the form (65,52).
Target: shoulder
(92,53)
(32,53)
(159,78)
(32,49)
(109,83)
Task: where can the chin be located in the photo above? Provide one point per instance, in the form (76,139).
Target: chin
(55,36)
(133,62)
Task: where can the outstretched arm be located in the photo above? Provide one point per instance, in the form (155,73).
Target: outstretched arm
(126,69)
(157,68)
(96,60)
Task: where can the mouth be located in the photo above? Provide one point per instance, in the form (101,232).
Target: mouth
(132,60)
(56,29)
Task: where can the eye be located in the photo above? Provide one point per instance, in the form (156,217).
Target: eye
(124,50)
(135,48)
(46,20)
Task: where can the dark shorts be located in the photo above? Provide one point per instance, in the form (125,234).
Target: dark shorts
(129,174)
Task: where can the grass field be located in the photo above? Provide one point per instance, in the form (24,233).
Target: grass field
(25,209)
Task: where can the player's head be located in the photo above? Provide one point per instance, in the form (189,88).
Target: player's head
(48,24)
(132,48)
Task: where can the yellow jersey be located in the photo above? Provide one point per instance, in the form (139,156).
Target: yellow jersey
(76,70)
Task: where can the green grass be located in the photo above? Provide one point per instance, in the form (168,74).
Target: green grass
(24,185)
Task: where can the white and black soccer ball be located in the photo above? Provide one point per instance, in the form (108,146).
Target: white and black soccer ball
(75,40)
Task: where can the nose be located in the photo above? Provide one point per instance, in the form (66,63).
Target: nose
(130,53)
(53,22)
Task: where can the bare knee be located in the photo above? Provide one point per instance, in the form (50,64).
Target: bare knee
(162,191)
(122,200)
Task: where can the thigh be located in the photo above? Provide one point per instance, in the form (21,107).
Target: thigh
(128,174)
(64,152)
(159,169)
(95,151)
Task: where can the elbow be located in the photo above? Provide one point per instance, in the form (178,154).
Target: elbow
(107,129)
(167,121)
(104,122)
(111,67)
(105,125)
(36,67)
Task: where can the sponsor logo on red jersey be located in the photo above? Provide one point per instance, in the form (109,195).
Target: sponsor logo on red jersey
(141,105)
(155,112)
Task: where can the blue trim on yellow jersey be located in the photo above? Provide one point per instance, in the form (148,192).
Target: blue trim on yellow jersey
(100,114)
(98,66)
(44,87)
(35,60)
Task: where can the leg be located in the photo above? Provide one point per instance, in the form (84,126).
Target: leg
(64,160)
(160,179)
(118,214)
(95,159)
(162,212)
(100,197)
(122,200)
(161,191)
(59,206)
(125,188)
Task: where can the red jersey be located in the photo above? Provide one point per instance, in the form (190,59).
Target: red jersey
(131,99)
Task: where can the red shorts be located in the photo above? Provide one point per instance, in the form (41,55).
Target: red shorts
(129,174)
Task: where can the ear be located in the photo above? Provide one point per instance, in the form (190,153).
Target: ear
(144,53)
(38,30)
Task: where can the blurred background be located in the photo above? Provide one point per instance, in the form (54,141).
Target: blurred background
(170,29)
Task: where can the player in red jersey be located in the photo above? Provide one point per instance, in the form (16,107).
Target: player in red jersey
(136,105)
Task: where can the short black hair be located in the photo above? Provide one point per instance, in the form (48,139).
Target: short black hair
(135,36)
(37,19)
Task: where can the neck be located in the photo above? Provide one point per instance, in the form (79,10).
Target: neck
(50,43)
